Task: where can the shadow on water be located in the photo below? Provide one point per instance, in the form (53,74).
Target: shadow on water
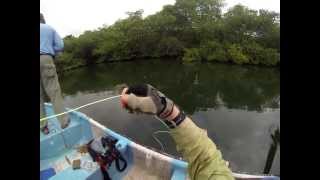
(235,104)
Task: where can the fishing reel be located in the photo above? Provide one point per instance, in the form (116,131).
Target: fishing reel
(103,151)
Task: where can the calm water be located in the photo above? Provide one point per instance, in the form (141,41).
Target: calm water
(238,106)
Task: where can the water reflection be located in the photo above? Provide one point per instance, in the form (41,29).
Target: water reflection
(237,105)
(194,87)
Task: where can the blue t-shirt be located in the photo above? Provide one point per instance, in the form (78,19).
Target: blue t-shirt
(50,41)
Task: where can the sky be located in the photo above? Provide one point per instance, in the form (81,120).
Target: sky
(76,16)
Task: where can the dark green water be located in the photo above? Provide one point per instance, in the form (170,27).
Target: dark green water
(238,106)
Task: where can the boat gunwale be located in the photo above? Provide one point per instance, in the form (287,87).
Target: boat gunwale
(158,153)
(169,157)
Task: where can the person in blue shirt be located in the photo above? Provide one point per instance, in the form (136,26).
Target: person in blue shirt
(50,45)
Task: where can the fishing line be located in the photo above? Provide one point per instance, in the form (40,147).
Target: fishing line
(157,132)
(154,137)
(106,99)
(77,108)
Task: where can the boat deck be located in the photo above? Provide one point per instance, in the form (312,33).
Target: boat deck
(143,163)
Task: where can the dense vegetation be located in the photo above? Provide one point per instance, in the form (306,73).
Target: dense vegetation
(190,30)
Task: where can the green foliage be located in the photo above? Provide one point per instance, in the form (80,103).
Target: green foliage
(271,57)
(191,55)
(85,49)
(259,55)
(254,52)
(170,46)
(213,51)
(193,30)
(236,54)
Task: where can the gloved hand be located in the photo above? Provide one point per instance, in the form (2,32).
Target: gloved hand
(205,161)
(147,99)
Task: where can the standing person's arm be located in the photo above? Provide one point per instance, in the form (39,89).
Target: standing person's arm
(57,42)
(205,161)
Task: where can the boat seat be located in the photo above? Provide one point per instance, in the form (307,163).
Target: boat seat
(61,143)
(77,133)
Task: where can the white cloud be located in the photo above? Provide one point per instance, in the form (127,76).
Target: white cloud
(76,16)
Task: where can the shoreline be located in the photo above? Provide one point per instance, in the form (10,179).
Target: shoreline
(70,68)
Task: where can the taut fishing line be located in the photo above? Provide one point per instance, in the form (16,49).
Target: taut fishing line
(75,109)
(106,99)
